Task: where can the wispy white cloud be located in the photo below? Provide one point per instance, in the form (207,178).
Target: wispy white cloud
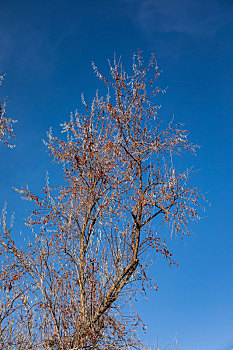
(181,16)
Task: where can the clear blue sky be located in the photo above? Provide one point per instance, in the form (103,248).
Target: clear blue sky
(46,49)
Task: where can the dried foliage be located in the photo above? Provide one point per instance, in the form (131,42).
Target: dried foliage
(69,289)
(6,123)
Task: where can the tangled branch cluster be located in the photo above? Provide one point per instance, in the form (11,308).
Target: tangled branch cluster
(6,123)
(69,289)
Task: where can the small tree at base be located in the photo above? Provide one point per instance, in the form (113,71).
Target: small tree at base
(93,231)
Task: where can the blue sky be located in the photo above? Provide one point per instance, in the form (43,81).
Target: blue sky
(46,52)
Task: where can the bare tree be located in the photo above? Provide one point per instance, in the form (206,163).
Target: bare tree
(69,289)
(6,123)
